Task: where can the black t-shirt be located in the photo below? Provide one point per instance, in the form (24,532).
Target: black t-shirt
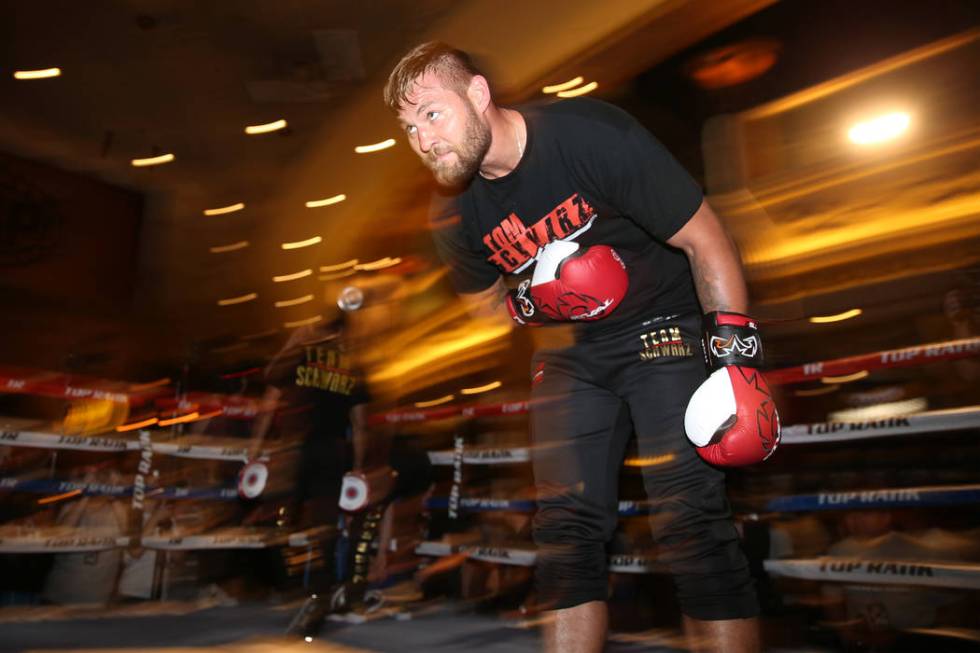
(590,173)
(320,385)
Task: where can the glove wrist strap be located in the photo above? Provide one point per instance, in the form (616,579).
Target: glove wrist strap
(522,308)
(731,339)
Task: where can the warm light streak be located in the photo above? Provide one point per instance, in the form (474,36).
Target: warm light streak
(303,243)
(380,264)
(220,249)
(294,276)
(581,90)
(649,461)
(564,86)
(260,335)
(153,160)
(336,275)
(339,266)
(816,392)
(846,378)
(336,199)
(275,125)
(434,402)
(241,299)
(44,73)
(879,129)
(429,353)
(231,208)
(180,419)
(140,387)
(132,426)
(880,411)
(483,388)
(838,317)
(375,147)
(213,413)
(59,497)
(299,323)
(294,302)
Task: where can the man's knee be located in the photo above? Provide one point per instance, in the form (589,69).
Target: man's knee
(571,563)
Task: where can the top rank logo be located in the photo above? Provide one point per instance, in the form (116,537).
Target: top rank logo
(514,246)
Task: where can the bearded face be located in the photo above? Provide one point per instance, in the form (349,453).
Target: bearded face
(445,129)
(454,164)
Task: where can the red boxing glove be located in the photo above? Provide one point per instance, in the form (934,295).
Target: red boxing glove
(570,285)
(731,418)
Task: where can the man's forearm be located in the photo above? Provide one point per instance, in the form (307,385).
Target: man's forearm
(719,282)
(715,263)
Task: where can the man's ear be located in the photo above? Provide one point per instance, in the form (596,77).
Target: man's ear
(478,93)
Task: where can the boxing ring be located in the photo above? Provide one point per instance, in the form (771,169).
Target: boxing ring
(148,444)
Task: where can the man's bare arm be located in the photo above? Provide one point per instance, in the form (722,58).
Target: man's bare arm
(715,262)
(489,303)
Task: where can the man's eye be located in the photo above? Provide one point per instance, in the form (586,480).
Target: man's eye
(432,115)
(410,129)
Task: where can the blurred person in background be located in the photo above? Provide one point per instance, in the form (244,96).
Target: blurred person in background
(874,616)
(89,577)
(615,230)
(315,388)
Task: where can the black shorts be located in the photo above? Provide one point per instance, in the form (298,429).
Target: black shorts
(587,399)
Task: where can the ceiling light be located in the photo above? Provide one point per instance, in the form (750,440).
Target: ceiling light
(44,73)
(564,86)
(434,402)
(846,378)
(219,249)
(275,125)
(838,317)
(879,129)
(339,266)
(231,208)
(237,300)
(299,323)
(303,243)
(294,276)
(483,388)
(336,199)
(383,145)
(153,160)
(581,90)
(336,275)
(380,264)
(294,302)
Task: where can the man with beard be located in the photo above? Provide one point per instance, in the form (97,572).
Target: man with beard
(612,229)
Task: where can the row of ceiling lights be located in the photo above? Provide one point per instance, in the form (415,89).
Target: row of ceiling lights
(571,88)
(340,270)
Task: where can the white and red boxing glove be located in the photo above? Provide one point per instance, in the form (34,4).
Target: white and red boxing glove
(731,418)
(361,489)
(570,284)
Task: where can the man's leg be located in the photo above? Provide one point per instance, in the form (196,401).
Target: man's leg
(690,516)
(581,629)
(724,636)
(579,434)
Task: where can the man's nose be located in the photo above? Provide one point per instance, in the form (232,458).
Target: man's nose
(426,140)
